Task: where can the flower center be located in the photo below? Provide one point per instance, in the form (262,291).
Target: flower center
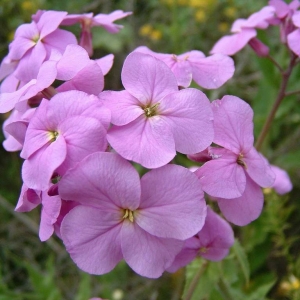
(151,111)
(203,250)
(128,214)
(53,136)
(240,161)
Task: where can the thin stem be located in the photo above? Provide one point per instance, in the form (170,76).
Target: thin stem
(281,94)
(195,281)
(224,289)
(292,93)
(275,63)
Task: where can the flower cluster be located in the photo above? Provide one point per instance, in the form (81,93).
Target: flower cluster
(277,13)
(78,142)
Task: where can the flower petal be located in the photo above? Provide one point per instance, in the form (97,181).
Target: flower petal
(245,209)
(233,124)
(146,254)
(146,78)
(92,237)
(172,203)
(147,141)
(103,180)
(188,113)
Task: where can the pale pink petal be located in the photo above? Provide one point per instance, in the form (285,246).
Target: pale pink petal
(146,254)
(296,17)
(92,237)
(147,141)
(38,169)
(38,132)
(216,237)
(10,84)
(72,19)
(106,20)
(66,68)
(186,255)
(282,183)
(183,72)
(29,66)
(17,130)
(293,41)
(103,180)
(24,40)
(213,71)
(188,113)
(281,8)
(178,213)
(259,19)
(50,211)
(259,169)
(49,22)
(81,140)
(77,103)
(147,78)
(28,200)
(59,39)
(124,107)
(245,209)
(222,177)
(233,124)
(105,63)
(231,44)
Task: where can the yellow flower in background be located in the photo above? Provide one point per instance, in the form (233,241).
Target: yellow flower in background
(223,27)
(230,12)
(148,31)
(29,6)
(200,15)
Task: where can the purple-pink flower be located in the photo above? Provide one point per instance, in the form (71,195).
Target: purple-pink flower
(244,32)
(237,171)
(143,221)
(62,132)
(212,242)
(152,119)
(209,72)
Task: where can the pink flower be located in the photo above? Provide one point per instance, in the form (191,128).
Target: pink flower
(212,242)
(35,42)
(237,171)
(282,184)
(152,119)
(244,32)
(142,221)
(62,132)
(209,72)
(294,36)
(87,21)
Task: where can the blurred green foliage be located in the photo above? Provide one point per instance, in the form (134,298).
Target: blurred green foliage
(264,262)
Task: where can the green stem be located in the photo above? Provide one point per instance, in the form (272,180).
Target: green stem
(195,281)
(281,95)
(225,290)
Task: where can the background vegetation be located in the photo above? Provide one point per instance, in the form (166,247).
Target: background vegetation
(264,262)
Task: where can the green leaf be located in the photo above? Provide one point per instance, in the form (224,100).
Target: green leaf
(242,259)
(261,292)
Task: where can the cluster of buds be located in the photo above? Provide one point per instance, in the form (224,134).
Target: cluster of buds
(78,143)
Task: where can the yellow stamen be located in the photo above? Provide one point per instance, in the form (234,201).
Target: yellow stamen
(241,162)
(53,136)
(151,111)
(128,215)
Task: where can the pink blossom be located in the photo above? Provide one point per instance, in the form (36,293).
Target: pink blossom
(244,32)
(152,119)
(282,184)
(62,132)
(212,242)
(123,217)
(294,36)
(209,72)
(237,170)
(35,42)
(87,21)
